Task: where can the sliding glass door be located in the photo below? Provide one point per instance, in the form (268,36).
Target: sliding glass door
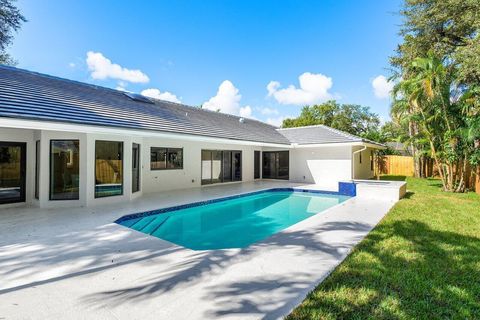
(276,165)
(12,172)
(221,166)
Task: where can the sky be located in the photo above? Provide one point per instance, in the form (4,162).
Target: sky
(257,59)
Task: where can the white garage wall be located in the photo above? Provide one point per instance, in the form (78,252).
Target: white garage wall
(324,166)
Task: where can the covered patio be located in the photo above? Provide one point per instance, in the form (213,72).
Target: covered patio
(76,263)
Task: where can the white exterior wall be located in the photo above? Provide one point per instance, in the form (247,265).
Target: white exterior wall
(324,166)
(321,165)
(190,175)
(362,170)
(150,180)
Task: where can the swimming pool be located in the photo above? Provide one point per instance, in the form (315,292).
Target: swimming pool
(232,222)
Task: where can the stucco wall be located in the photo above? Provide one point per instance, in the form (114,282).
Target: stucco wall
(324,166)
(150,180)
(362,170)
(190,175)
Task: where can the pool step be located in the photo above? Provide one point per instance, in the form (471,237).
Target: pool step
(154,224)
(142,223)
(159,225)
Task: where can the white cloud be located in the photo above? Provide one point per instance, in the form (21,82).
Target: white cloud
(157,94)
(277,121)
(227,100)
(382,87)
(245,112)
(314,88)
(268,111)
(102,68)
(72,65)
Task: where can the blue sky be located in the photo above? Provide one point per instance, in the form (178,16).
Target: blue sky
(222,54)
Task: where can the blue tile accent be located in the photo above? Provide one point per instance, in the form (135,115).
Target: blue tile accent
(200,203)
(347,189)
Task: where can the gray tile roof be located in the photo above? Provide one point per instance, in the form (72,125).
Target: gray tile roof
(320,134)
(29,95)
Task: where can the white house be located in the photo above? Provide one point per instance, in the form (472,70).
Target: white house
(66,143)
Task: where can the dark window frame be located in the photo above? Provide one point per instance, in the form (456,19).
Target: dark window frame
(37,170)
(167,149)
(50,171)
(23,171)
(257,165)
(275,176)
(95,170)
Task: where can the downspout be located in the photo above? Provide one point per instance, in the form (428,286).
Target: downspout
(353,160)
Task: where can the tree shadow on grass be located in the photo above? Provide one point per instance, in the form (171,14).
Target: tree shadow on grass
(403,270)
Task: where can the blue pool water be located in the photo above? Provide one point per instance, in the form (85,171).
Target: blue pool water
(232,223)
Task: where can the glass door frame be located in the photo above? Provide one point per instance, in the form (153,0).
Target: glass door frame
(136,161)
(23,170)
(275,170)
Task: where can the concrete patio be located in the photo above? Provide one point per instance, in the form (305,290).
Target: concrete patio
(77,264)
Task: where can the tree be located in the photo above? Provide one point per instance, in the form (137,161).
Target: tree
(437,69)
(351,118)
(10,21)
(445,116)
(447,28)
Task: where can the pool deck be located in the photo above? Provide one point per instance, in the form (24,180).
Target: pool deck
(76,264)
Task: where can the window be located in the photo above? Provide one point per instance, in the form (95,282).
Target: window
(108,168)
(221,166)
(256,165)
(37,168)
(360,157)
(12,171)
(166,158)
(64,169)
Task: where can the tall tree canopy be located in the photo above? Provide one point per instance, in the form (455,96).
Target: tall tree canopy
(437,95)
(351,118)
(10,21)
(447,28)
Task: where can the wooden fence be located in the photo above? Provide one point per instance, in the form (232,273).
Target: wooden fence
(394,165)
(404,166)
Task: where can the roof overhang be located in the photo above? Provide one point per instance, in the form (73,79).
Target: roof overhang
(80,128)
(339,144)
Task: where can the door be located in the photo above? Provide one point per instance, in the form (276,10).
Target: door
(276,165)
(135,167)
(12,172)
(256,167)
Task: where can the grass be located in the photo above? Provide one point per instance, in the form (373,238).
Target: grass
(421,262)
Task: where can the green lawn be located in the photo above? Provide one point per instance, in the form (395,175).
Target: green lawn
(421,262)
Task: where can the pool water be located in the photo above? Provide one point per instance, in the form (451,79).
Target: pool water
(233,223)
